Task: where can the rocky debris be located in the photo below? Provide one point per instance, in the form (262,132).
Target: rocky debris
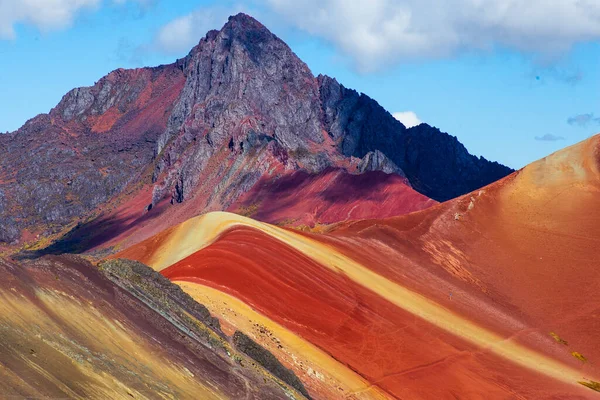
(262,356)
(160,294)
(8,230)
(377,161)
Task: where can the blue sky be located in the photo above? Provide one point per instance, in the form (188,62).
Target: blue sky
(508,88)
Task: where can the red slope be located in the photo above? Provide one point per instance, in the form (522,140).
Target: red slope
(528,245)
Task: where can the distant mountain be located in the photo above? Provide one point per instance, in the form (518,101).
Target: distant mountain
(239,109)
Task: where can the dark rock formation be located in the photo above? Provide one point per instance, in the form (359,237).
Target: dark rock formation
(161,294)
(435,163)
(267,360)
(439,166)
(377,161)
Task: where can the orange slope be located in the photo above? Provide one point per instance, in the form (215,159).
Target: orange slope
(457,300)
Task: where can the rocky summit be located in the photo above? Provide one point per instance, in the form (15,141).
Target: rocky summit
(239,109)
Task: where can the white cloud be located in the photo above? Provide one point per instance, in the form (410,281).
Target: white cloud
(379,32)
(46,15)
(408,118)
(185,32)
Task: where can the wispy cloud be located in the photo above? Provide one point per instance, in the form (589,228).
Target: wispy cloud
(45,15)
(549,138)
(570,76)
(48,15)
(583,120)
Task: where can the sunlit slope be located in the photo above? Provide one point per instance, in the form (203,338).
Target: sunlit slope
(491,295)
(72,330)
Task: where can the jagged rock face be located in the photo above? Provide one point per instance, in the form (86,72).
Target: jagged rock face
(439,166)
(62,165)
(245,74)
(436,164)
(357,121)
(244,88)
(377,161)
(240,107)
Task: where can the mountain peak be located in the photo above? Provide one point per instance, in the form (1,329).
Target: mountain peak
(244,19)
(245,28)
(253,35)
(240,27)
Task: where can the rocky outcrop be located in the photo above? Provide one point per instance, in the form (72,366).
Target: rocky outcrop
(377,161)
(244,88)
(357,122)
(97,142)
(268,361)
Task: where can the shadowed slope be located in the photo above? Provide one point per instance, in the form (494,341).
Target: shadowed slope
(293,199)
(333,196)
